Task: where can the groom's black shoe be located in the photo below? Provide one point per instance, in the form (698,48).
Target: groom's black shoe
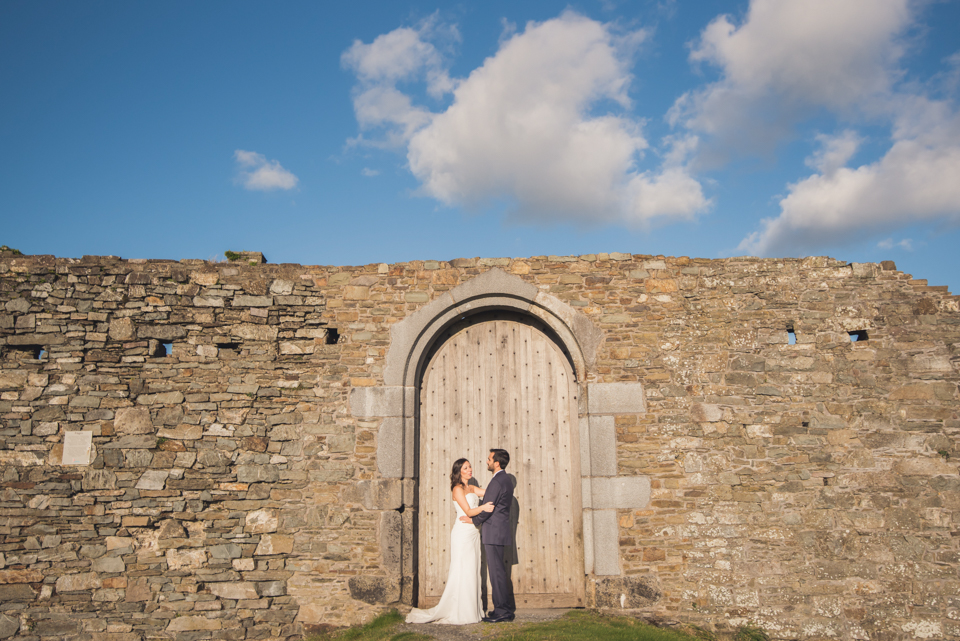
(501,619)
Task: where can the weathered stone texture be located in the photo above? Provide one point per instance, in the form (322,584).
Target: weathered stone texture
(255,482)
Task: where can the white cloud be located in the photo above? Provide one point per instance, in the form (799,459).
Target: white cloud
(787,59)
(889,243)
(382,106)
(834,152)
(369,173)
(791,60)
(255,172)
(522,126)
(915,181)
(403,55)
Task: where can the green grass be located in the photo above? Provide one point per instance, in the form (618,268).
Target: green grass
(750,633)
(584,625)
(380,629)
(576,625)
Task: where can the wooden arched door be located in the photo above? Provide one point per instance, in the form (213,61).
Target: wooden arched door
(504,383)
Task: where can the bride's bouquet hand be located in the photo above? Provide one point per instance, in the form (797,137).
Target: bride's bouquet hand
(487,507)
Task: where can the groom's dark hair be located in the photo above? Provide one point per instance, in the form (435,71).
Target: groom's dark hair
(501,457)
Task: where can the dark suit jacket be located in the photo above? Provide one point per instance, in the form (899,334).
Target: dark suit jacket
(496,525)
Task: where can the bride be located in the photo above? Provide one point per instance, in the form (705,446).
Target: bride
(460,603)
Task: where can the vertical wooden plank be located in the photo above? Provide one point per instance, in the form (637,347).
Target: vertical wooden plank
(550,573)
(519,461)
(563,424)
(548,485)
(480,430)
(535,485)
(436,451)
(494,436)
(561,406)
(517,394)
(436,562)
(477,347)
(459,426)
(426,520)
(440,454)
(441,542)
(517,421)
(490,389)
(555,380)
(535,476)
(423,520)
(441,552)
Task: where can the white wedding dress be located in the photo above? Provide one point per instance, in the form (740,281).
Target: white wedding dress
(460,603)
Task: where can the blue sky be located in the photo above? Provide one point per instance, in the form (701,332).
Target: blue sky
(353,133)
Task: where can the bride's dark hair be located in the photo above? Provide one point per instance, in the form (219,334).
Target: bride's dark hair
(455,474)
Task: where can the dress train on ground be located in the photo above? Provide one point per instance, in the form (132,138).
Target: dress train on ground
(460,603)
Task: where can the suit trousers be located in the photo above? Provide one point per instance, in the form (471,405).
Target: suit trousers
(503,602)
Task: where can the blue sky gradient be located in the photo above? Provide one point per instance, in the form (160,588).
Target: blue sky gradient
(121,123)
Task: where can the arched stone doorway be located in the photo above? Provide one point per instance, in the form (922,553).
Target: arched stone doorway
(413,343)
(502,379)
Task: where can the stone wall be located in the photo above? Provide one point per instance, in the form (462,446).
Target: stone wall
(229,488)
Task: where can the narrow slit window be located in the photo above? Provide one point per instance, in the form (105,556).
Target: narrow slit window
(333,336)
(791,335)
(858,336)
(25,352)
(228,350)
(162,349)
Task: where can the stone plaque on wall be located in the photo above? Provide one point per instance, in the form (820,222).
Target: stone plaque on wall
(76,448)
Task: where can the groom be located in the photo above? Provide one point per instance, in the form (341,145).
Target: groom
(496,535)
